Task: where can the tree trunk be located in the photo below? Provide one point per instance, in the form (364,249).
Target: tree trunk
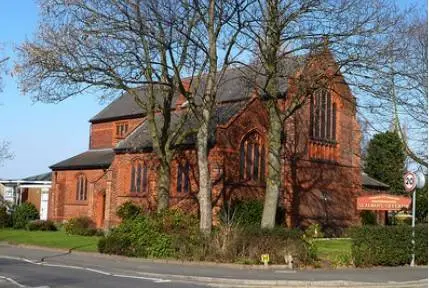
(274,168)
(163,187)
(204,195)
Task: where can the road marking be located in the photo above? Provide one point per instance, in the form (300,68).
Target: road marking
(155,280)
(16,283)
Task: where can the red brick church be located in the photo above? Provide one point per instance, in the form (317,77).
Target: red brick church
(320,158)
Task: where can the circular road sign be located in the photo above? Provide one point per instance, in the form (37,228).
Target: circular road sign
(410,181)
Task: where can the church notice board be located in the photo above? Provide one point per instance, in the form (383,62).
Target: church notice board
(382,202)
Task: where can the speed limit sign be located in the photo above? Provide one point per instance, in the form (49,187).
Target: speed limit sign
(410,181)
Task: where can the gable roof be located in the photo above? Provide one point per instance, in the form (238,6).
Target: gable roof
(91,159)
(236,84)
(41,177)
(121,108)
(140,139)
(372,183)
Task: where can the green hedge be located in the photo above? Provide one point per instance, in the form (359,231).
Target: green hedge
(83,226)
(173,234)
(23,214)
(41,225)
(5,218)
(388,245)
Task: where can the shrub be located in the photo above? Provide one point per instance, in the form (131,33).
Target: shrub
(41,225)
(81,226)
(314,231)
(23,214)
(247,244)
(388,245)
(173,234)
(137,237)
(368,218)
(128,210)
(5,218)
(247,212)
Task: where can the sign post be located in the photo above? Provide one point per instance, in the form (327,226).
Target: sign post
(411,181)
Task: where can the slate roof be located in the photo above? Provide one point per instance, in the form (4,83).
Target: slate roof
(236,84)
(140,138)
(121,108)
(40,177)
(91,159)
(372,183)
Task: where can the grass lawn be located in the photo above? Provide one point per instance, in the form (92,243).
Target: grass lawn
(53,239)
(335,251)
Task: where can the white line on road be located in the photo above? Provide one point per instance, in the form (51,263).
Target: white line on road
(16,283)
(155,280)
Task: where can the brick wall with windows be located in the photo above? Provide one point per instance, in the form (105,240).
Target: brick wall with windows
(73,191)
(320,165)
(108,134)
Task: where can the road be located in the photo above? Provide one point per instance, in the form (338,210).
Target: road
(24,274)
(35,267)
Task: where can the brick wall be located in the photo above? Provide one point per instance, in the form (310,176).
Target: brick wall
(103,135)
(62,199)
(322,190)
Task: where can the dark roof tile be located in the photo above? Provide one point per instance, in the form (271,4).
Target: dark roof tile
(91,159)
(371,182)
(140,138)
(40,177)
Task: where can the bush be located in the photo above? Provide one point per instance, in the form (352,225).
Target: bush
(368,218)
(128,210)
(41,225)
(173,234)
(23,214)
(5,218)
(314,231)
(81,226)
(243,213)
(388,245)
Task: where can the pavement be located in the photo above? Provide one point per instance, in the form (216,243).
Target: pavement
(41,267)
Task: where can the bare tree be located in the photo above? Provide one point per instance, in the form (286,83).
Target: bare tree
(110,46)
(397,93)
(114,46)
(288,28)
(215,38)
(5,153)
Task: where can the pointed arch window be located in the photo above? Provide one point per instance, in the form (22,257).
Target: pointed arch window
(183,183)
(323,116)
(81,188)
(252,158)
(139,177)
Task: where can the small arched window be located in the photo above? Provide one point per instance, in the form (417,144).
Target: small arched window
(323,116)
(183,183)
(252,158)
(139,177)
(81,188)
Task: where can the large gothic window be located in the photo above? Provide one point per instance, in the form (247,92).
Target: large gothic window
(323,116)
(81,187)
(252,158)
(139,177)
(183,184)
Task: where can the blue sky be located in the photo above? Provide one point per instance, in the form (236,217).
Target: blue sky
(39,134)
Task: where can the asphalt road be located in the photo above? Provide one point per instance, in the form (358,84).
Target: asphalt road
(24,274)
(36,267)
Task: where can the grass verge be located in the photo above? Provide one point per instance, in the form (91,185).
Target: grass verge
(336,252)
(53,239)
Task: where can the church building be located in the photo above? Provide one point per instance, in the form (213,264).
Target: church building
(321,173)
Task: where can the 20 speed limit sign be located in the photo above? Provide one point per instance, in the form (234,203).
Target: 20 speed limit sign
(410,181)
